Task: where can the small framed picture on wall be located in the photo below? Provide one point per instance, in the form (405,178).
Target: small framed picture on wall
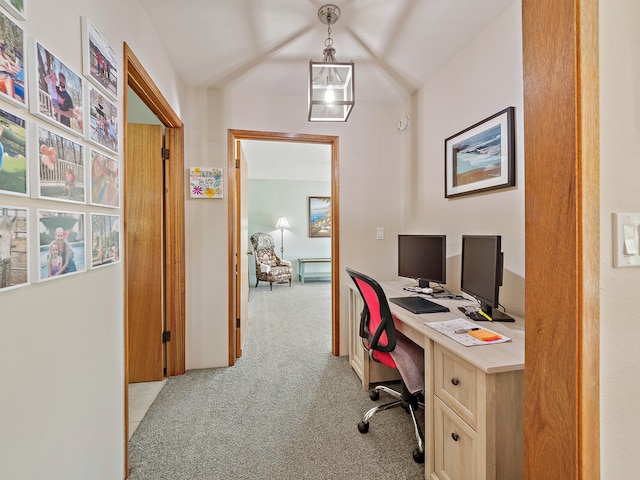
(62,243)
(319,217)
(14,247)
(105,240)
(61,167)
(12,57)
(57,90)
(99,60)
(14,166)
(16,7)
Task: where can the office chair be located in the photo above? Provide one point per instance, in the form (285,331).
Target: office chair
(391,348)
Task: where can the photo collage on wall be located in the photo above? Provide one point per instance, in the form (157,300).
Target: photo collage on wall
(60,145)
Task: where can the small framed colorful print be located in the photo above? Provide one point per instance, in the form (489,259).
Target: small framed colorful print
(205,182)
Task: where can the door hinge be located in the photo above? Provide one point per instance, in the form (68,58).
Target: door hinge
(166,336)
(237,163)
(237,323)
(165,153)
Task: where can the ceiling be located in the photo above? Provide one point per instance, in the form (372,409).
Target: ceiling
(266,45)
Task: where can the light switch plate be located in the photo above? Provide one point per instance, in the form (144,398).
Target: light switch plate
(380,233)
(626,236)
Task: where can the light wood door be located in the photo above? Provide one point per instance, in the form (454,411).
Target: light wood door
(144,243)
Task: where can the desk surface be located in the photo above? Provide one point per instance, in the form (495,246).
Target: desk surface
(490,359)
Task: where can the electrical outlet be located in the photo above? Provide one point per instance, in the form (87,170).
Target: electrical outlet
(380,233)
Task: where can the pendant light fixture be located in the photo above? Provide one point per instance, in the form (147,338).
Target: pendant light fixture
(331,83)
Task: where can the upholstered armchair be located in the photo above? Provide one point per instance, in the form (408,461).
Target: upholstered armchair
(269,267)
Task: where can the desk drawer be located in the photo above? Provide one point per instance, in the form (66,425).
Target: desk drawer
(456,454)
(458,384)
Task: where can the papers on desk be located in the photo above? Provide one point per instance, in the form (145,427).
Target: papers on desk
(467,333)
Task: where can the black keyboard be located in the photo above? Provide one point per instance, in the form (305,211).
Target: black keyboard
(418,305)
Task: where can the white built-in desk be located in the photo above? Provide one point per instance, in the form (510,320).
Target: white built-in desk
(474,396)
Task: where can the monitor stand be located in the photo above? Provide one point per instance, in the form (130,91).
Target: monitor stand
(495,314)
(425,284)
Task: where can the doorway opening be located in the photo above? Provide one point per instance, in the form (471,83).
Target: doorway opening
(237,236)
(172,231)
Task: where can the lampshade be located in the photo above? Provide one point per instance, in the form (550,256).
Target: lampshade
(331,83)
(282,222)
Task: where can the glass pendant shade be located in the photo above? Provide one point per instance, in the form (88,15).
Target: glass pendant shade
(331,83)
(331,91)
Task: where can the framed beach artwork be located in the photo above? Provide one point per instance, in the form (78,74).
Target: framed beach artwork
(105,240)
(14,247)
(103,120)
(57,91)
(12,57)
(60,166)
(319,217)
(481,157)
(61,243)
(105,180)
(14,167)
(99,60)
(16,7)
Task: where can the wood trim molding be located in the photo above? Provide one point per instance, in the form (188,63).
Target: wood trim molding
(561,133)
(233,137)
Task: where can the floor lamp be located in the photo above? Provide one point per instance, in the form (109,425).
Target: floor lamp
(282,224)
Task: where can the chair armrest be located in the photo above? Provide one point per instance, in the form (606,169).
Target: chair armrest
(264,268)
(285,262)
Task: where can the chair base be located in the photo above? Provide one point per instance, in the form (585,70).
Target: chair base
(406,400)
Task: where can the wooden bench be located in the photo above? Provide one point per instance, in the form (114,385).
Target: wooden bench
(320,275)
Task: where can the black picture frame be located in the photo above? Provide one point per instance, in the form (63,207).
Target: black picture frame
(481,157)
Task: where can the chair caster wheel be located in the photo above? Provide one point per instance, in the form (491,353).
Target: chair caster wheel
(363,427)
(374,395)
(418,456)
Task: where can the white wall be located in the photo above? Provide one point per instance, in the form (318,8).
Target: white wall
(62,342)
(483,79)
(619,287)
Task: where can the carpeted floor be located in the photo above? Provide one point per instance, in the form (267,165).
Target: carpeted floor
(288,409)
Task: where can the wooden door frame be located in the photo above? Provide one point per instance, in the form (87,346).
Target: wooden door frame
(562,231)
(235,136)
(142,84)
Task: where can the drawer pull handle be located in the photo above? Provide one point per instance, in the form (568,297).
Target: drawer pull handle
(455,436)
(455,381)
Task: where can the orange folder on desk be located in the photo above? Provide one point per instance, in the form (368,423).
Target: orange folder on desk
(484,335)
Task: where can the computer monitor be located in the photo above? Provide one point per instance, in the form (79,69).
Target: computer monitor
(423,258)
(481,276)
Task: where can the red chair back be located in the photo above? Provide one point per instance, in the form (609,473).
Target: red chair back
(376,321)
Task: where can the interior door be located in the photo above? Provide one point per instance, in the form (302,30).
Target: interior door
(144,244)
